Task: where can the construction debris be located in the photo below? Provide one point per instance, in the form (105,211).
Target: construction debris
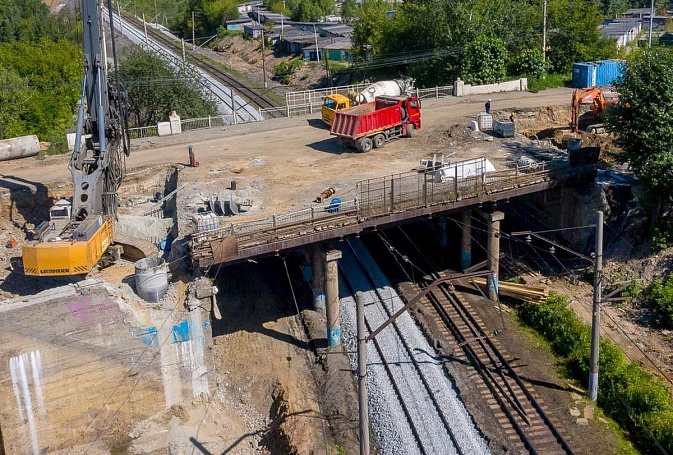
(535,294)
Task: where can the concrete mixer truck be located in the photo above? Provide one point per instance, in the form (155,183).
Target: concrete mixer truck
(338,102)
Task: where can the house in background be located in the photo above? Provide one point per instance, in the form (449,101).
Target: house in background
(622,31)
(237,25)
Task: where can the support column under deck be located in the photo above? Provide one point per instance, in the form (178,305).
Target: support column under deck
(318,268)
(466,239)
(332,297)
(493,247)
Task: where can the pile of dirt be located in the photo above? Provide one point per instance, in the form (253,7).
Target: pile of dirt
(540,122)
(609,150)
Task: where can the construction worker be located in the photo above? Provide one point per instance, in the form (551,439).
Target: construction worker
(511,117)
(488,106)
(192,158)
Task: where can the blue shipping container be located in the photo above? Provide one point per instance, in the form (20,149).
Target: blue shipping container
(584,75)
(608,71)
(597,74)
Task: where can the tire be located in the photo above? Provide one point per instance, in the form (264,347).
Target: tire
(366,145)
(403,113)
(379,140)
(410,130)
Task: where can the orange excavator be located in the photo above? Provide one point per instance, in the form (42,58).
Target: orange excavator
(597,102)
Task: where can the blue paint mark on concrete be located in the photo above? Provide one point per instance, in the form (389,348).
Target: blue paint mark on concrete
(465,259)
(334,337)
(206,324)
(148,335)
(181,331)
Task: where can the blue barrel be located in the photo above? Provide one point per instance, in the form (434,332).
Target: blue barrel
(334,205)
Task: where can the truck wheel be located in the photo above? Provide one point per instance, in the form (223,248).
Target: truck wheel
(410,130)
(379,140)
(366,145)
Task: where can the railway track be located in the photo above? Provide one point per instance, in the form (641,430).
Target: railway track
(252,96)
(515,405)
(437,421)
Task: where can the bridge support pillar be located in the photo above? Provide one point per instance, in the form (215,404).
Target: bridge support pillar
(493,247)
(443,236)
(318,279)
(332,296)
(466,239)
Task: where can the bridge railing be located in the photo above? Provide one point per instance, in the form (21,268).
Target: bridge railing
(387,195)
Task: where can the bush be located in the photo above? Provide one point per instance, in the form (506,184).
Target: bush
(58,143)
(528,62)
(630,395)
(284,70)
(484,61)
(661,293)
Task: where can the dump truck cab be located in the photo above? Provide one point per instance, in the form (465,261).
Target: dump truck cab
(331,104)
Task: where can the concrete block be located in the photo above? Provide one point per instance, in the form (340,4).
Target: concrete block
(164,129)
(70,137)
(176,124)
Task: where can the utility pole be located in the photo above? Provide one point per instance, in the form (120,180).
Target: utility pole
(193,33)
(596,317)
(121,24)
(263,61)
(544,30)
(145,28)
(317,51)
(282,30)
(362,374)
(649,36)
(327,74)
(184,57)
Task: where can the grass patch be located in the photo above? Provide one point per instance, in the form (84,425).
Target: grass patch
(549,81)
(640,403)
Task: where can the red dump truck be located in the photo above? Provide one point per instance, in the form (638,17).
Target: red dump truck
(372,124)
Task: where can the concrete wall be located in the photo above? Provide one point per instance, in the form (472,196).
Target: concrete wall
(460,88)
(82,363)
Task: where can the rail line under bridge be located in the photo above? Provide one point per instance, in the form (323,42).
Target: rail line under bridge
(382,201)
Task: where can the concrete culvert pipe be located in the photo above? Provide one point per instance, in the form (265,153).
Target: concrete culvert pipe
(151,279)
(19,147)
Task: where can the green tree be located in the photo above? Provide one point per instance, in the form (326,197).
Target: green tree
(575,36)
(210,16)
(349,10)
(51,73)
(370,29)
(14,96)
(527,62)
(643,120)
(484,61)
(155,88)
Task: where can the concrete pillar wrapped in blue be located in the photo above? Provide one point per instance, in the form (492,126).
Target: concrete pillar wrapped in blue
(332,298)
(318,279)
(493,248)
(466,239)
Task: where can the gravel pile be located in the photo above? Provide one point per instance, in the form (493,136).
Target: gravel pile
(390,425)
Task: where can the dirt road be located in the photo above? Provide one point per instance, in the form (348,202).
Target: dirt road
(300,140)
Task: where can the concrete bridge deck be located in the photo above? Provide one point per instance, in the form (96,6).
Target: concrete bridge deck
(378,202)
